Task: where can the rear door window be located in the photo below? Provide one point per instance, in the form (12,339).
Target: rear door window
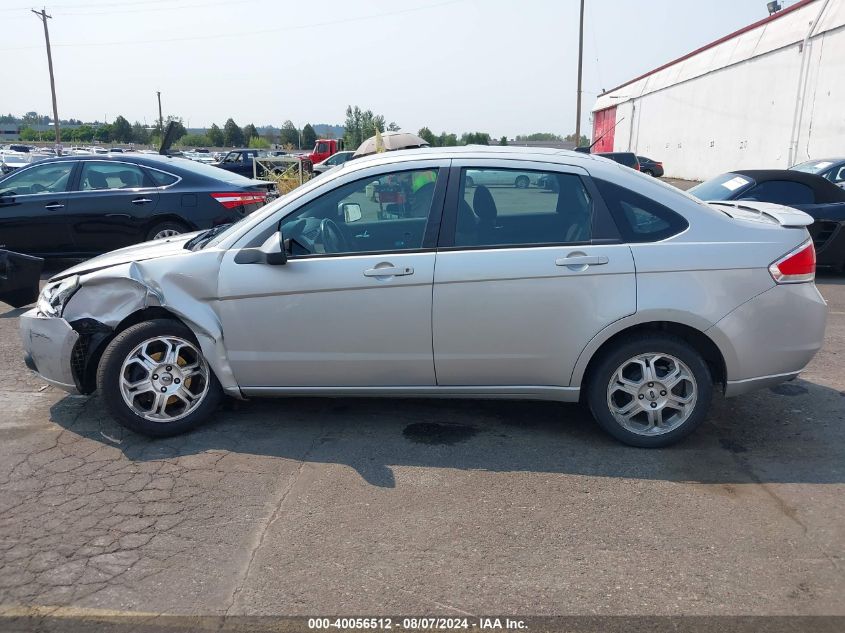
(526,208)
(639,219)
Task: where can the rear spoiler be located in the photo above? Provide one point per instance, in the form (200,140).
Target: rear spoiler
(764,212)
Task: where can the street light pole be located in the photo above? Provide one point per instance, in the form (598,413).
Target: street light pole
(580,63)
(42,15)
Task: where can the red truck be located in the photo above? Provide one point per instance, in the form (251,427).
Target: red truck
(323,148)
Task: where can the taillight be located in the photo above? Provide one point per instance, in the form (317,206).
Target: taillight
(797,266)
(239,198)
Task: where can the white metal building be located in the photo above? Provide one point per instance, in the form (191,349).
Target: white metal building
(767,96)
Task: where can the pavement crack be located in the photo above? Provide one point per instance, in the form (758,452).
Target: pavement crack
(271,520)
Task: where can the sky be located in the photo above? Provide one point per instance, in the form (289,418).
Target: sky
(506,67)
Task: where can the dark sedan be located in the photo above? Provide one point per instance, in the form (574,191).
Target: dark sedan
(650,166)
(833,169)
(76,206)
(812,194)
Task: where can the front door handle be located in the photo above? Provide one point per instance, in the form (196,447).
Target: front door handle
(141,201)
(388,271)
(54,205)
(582,260)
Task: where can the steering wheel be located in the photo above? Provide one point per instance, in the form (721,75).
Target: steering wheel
(37,187)
(334,241)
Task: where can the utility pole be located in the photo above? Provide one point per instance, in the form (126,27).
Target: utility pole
(42,15)
(160,117)
(580,63)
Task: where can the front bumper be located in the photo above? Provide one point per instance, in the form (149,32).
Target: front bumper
(772,337)
(48,344)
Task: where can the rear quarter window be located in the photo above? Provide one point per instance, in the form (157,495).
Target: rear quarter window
(639,219)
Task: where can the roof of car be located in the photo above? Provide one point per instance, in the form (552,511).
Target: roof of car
(825,191)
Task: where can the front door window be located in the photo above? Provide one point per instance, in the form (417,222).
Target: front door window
(387,213)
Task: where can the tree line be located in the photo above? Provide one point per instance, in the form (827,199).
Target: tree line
(359,125)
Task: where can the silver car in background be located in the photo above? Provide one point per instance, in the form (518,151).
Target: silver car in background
(391,276)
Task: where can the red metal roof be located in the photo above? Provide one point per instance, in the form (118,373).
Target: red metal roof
(744,29)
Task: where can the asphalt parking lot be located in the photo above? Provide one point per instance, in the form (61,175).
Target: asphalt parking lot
(310,506)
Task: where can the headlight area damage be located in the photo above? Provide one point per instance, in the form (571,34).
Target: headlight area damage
(109,300)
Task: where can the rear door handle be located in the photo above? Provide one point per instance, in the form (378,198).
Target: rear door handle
(388,271)
(54,205)
(582,260)
(141,201)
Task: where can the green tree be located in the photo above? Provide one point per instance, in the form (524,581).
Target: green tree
(28,134)
(215,136)
(503,140)
(392,127)
(121,130)
(582,142)
(428,136)
(233,136)
(83,134)
(103,133)
(194,140)
(475,138)
(447,140)
(256,142)
(361,125)
(250,133)
(289,135)
(309,136)
(140,134)
(540,136)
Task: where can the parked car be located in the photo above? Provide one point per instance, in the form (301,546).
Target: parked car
(650,167)
(240,161)
(815,195)
(11,160)
(76,206)
(332,161)
(629,159)
(833,169)
(619,291)
(499,178)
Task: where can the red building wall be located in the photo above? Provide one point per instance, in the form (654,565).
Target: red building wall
(603,124)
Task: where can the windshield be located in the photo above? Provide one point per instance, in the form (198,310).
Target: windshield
(812,166)
(724,187)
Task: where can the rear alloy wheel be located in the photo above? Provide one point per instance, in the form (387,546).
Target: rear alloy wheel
(522,182)
(165,230)
(651,392)
(155,380)
(648,172)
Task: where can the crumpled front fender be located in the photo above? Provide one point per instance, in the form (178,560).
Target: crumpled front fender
(188,291)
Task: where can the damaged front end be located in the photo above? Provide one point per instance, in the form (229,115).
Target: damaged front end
(65,348)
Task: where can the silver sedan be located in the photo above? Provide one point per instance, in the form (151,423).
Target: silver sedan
(396,275)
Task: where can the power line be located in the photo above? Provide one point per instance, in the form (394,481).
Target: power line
(247,33)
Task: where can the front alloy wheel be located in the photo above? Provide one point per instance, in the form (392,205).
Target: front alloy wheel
(154,379)
(164,378)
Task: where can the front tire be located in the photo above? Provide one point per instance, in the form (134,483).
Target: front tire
(155,381)
(522,182)
(651,391)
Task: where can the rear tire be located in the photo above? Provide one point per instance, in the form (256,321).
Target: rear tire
(522,182)
(155,381)
(650,391)
(166,229)
(648,172)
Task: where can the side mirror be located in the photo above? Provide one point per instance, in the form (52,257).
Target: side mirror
(351,211)
(271,252)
